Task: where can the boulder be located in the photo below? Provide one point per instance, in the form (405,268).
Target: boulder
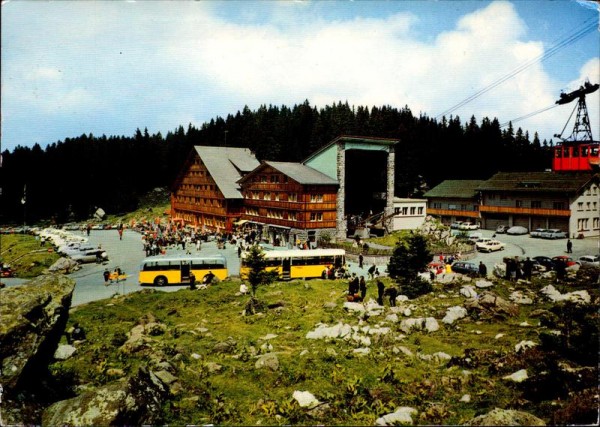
(64,266)
(506,417)
(136,401)
(490,304)
(34,316)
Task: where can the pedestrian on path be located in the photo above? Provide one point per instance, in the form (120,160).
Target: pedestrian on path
(569,246)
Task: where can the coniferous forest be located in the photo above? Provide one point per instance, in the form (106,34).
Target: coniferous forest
(68,180)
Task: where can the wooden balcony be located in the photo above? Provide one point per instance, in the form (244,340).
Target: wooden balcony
(524,211)
(289,206)
(453,212)
(190,207)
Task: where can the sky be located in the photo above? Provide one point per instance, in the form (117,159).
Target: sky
(111,67)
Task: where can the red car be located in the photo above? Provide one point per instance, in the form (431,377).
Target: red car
(566,259)
(6,271)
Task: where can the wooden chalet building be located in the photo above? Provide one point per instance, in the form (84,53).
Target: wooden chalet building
(455,200)
(206,194)
(289,202)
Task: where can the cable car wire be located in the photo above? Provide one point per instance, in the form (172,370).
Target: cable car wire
(578,34)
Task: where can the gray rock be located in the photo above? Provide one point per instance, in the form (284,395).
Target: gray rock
(133,402)
(63,352)
(33,319)
(506,417)
(402,415)
(269,361)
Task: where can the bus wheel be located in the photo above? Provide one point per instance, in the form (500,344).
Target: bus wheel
(160,281)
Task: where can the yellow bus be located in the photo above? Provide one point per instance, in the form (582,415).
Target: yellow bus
(299,264)
(163,270)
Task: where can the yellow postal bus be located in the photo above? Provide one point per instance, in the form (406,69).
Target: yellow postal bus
(299,264)
(175,270)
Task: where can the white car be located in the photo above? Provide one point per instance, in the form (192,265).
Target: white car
(553,233)
(589,260)
(90,255)
(537,232)
(468,226)
(489,246)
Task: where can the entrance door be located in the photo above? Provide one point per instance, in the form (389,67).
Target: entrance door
(185,272)
(286,267)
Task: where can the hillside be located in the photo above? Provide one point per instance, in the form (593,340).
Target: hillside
(360,362)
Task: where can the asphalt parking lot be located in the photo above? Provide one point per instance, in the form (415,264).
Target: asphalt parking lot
(128,253)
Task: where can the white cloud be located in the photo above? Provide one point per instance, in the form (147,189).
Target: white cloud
(176,62)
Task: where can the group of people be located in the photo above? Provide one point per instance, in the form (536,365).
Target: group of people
(357,290)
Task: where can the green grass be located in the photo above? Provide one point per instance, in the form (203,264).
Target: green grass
(25,255)
(358,389)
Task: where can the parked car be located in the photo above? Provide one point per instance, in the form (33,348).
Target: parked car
(563,258)
(490,246)
(545,261)
(475,237)
(455,225)
(537,232)
(77,249)
(553,233)
(91,255)
(465,267)
(589,260)
(468,226)
(502,229)
(6,271)
(517,230)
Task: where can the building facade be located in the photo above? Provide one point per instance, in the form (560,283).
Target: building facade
(206,195)
(455,200)
(409,214)
(289,203)
(566,201)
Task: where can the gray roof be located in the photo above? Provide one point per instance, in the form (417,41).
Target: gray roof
(537,182)
(302,174)
(227,165)
(456,189)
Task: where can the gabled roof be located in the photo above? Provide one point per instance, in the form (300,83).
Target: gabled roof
(537,182)
(456,189)
(300,173)
(226,166)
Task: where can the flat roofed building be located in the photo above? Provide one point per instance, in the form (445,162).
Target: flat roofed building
(409,214)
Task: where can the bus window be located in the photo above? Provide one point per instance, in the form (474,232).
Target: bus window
(584,151)
(575,151)
(566,153)
(558,153)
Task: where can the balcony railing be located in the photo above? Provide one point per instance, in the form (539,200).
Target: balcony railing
(453,212)
(525,211)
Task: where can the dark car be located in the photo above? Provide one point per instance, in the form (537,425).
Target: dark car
(544,261)
(464,267)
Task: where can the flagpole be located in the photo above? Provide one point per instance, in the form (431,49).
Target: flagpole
(24,202)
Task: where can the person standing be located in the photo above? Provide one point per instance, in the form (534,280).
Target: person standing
(569,246)
(380,291)
(527,269)
(363,287)
(360,260)
(371,271)
(106,275)
(482,269)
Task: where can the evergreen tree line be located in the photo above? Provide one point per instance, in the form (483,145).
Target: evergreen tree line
(69,179)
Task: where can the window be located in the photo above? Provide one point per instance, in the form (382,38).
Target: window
(396,211)
(316,216)
(536,204)
(292,216)
(420,210)
(405,210)
(277,196)
(413,210)
(274,178)
(436,205)
(263,178)
(267,196)
(316,198)
(519,203)
(558,205)
(292,197)
(579,206)
(588,206)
